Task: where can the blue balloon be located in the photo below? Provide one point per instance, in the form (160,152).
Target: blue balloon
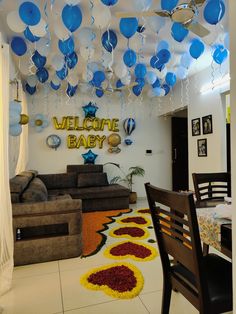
(71,90)
(67,46)
(72,17)
(157,91)
(166,88)
(220,54)
(196,48)
(160,66)
(109,40)
(168,5)
(178,32)
(186,60)
(30,90)
(109,2)
(170,79)
(18,46)
(31,37)
(137,90)
(156,84)
(140,81)
(140,70)
(99,93)
(162,45)
(128,26)
(153,61)
(29,13)
(98,78)
(42,75)
(39,61)
(119,84)
(55,87)
(71,60)
(164,56)
(214,11)
(129,58)
(62,74)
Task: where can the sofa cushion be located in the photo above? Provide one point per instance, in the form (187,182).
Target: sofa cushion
(109,191)
(59,180)
(20,181)
(36,192)
(84,168)
(92,179)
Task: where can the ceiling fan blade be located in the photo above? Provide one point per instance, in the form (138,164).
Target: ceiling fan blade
(197,29)
(135,14)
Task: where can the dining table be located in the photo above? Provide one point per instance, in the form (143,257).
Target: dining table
(215,232)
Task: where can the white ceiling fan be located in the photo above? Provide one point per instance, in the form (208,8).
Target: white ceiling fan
(184,13)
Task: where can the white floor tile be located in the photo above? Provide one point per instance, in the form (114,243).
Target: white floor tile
(33,295)
(35,269)
(133,306)
(179,305)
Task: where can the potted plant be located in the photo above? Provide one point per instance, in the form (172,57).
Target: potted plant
(128,179)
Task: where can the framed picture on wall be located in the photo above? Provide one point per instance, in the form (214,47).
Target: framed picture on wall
(202,147)
(207,124)
(196,129)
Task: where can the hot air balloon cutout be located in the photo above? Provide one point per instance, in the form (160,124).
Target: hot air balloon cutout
(129,125)
(114,140)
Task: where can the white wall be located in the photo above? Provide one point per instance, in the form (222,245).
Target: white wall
(151,133)
(199,105)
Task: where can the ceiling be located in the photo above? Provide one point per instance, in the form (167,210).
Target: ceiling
(145,44)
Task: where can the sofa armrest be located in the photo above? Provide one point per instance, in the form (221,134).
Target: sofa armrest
(49,207)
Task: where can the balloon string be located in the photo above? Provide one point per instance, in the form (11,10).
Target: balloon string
(91,10)
(52,4)
(187,92)
(182,93)
(212,73)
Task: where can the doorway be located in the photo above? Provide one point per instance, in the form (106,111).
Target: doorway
(179,130)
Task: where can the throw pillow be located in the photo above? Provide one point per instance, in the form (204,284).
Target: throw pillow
(36,192)
(92,179)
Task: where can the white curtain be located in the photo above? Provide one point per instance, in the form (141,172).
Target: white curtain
(23,151)
(6,234)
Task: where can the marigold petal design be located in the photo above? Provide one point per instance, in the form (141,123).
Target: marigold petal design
(131,232)
(130,249)
(138,220)
(119,280)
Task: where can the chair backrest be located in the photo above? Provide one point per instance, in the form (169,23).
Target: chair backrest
(176,228)
(211,186)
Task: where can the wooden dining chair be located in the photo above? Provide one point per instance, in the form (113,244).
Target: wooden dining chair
(205,281)
(211,188)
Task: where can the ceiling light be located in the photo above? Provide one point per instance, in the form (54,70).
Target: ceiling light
(216,84)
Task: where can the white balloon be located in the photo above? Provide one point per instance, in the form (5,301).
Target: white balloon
(72,79)
(25,65)
(107,59)
(40,29)
(58,62)
(55,80)
(142,5)
(161,75)
(86,36)
(32,80)
(72,2)
(15,23)
(102,15)
(87,76)
(121,70)
(126,79)
(60,30)
(85,88)
(43,46)
(104,84)
(162,92)
(155,23)
(151,77)
(87,52)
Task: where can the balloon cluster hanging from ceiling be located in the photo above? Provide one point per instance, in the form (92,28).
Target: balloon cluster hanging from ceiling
(56,68)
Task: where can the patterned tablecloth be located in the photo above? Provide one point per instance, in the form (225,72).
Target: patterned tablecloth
(210,227)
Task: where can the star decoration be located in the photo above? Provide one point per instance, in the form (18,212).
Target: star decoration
(89,157)
(90,110)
